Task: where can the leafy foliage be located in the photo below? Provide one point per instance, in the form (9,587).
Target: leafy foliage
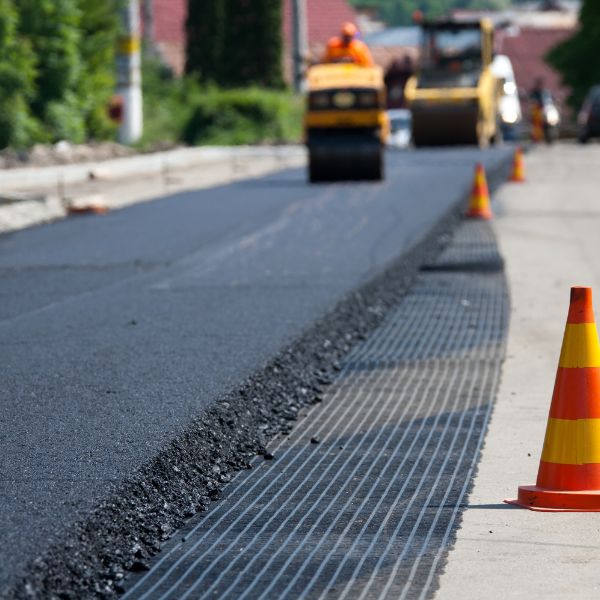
(52,28)
(184,110)
(235,42)
(576,58)
(205,38)
(56,69)
(17,75)
(99,27)
(243,116)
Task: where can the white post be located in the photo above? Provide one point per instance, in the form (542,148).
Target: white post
(129,74)
(300,43)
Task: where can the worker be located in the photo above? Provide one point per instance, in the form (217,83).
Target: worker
(348,49)
(399,72)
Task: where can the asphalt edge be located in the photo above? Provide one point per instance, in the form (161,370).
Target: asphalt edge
(137,516)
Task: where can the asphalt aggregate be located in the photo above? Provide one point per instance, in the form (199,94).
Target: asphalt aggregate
(372,511)
(116,332)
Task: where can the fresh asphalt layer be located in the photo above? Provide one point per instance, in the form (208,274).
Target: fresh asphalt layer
(116,331)
(363,497)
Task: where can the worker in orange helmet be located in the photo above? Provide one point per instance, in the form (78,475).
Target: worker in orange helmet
(346,48)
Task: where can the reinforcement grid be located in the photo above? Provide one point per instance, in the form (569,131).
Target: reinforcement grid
(371,510)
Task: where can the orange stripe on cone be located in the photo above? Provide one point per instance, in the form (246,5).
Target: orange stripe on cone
(580,307)
(479,205)
(518,170)
(576,393)
(569,473)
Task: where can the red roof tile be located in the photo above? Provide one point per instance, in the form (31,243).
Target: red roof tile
(169,20)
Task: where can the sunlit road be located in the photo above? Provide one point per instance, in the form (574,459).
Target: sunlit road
(115,331)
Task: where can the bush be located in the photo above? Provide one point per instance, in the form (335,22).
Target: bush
(183,110)
(17,74)
(244,116)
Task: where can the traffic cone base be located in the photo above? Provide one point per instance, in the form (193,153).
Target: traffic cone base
(479,205)
(569,472)
(543,500)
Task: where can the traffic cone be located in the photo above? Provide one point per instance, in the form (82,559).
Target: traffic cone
(569,474)
(518,170)
(479,206)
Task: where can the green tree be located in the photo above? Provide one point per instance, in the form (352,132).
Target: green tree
(205,27)
(253,43)
(17,75)
(577,58)
(53,29)
(99,26)
(235,42)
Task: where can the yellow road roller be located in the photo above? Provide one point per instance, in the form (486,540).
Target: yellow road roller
(454,97)
(345,123)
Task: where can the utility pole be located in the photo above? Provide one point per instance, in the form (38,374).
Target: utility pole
(149,26)
(129,74)
(300,43)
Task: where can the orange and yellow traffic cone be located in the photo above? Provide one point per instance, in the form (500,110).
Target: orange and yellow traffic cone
(569,474)
(479,206)
(518,170)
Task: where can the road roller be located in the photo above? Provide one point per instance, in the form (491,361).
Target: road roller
(345,123)
(454,97)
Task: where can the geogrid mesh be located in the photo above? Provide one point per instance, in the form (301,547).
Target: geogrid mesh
(371,510)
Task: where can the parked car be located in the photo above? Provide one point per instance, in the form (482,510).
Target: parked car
(511,116)
(400,127)
(589,116)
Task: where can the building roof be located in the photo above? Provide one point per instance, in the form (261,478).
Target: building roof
(169,20)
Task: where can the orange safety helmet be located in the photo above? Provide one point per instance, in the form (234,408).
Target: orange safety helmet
(349,30)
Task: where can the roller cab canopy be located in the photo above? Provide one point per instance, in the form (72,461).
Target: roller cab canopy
(330,76)
(455,53)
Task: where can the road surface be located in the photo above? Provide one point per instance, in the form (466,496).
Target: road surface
(117,331)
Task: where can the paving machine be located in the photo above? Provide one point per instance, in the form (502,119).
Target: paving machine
(346,125)
(454,98)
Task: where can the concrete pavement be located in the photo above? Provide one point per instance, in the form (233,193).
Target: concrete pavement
(548,233)
(45,193)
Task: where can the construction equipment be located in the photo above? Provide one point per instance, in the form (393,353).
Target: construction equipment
(346,126)
(454,98)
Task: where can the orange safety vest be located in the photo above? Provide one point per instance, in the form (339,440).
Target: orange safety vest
(355,52)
